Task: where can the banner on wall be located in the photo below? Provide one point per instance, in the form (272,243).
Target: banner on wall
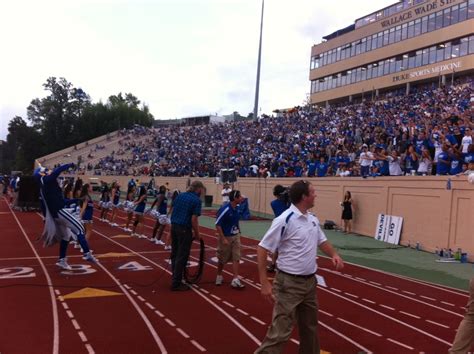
(388,228)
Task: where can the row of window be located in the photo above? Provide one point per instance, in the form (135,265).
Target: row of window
(389,11)
(414,59)
(429,23)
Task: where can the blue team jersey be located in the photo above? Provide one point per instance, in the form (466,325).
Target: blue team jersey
(228,220)
(278,207)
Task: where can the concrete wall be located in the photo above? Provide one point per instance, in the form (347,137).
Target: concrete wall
(432,214)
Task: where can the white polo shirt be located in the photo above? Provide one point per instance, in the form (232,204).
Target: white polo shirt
(297,237)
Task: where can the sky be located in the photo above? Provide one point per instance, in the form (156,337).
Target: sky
(182,58)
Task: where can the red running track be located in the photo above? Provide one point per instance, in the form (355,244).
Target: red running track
(48,310)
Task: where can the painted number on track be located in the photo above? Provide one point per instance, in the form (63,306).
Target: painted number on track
(17,272)
(79,269)
(134,267)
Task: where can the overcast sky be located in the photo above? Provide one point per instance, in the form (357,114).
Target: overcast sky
(180,57)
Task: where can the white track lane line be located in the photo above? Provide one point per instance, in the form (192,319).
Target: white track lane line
(428,298)
(447,303)
(50,286)
(389,317)
(218,308)
(437,324)
(417,281)
(399,294)
(400,344)
(367,351)
(197,345)
(360,327)
(83,336)
(410,314)
(387,307)
(150,327)
(326,313)
(183,333)
(89,348)
(369,301)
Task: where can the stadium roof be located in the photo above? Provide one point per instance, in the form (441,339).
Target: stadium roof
(340,32)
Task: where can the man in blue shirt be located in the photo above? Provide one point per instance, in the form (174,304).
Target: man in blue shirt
(444,161)
(228,246)
(184,221)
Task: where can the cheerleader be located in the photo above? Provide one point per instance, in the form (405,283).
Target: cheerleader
(128,206)
(87,208)
(140,204)
(76,192)
(104,202)
(162,218)
(115,202)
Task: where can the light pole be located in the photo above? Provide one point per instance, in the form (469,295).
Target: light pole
(257,84)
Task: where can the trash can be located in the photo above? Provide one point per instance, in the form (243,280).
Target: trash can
(208,201)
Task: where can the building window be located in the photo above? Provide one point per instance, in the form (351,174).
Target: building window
(455,48)
(385,38)
(439,20)
(431,22)
(440,52)
(462,11)
(411,60)
(391,36)
(446,17)
(471,45)
(447,50)
(470,11)
(464,48)
(418,58)
(417,27)
(425,56)
(405,62)
(432,55)
(455,14)
(398,34)
(411,29)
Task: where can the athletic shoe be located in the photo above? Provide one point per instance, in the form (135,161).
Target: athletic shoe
(236,284)
(90,258)
(62,263)
(181,287)
(159,242)
(113,224)
(133,234)
(142,236)
(167,248)
(219,280)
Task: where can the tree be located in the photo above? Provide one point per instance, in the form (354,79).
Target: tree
(57,115)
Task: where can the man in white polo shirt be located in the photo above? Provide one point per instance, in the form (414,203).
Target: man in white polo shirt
(296,234)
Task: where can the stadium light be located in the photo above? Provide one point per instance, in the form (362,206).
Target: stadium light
(257,84)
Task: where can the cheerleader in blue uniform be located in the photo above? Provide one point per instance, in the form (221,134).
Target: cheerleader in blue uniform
(115,202)
(104,202)
(139,210)
(128,206)
(161,216)
(87,209)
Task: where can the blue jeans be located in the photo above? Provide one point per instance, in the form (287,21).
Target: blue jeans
(181,240)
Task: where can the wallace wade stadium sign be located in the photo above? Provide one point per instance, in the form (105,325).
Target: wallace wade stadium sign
(424,72)
(428,7)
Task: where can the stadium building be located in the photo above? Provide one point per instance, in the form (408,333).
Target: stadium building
(407,43)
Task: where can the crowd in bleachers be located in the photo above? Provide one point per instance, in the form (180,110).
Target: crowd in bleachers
(427,132)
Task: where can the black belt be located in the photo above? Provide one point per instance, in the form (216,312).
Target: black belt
(307,276)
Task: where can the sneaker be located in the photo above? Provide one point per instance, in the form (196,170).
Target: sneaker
(219,280)
(142,236)
(113,224)
(167,248)
(236,284)
(62,263)
(159,242)
(133,234)
(181,287)
(90,258)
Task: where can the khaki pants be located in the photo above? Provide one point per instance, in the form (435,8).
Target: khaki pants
(295,301)
(465,334)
